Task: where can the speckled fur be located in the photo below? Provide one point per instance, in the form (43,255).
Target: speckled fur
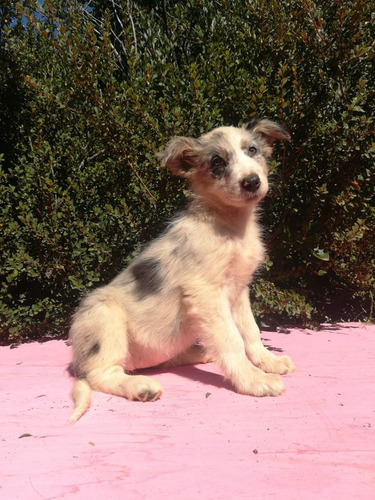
(190,284)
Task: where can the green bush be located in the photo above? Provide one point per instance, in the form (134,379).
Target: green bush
(89,93)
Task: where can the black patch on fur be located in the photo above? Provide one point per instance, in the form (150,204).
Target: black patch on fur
(252,123)
(148,278)
(73,372)
(95,348)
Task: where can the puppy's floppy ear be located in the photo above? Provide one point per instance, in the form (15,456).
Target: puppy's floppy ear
(269,130)
(181,155)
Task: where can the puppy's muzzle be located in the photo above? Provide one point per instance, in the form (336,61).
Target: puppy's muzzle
(251,183)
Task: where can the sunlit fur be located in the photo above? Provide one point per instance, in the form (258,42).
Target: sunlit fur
(189,285)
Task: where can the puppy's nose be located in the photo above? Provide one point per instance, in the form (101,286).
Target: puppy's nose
(251,183)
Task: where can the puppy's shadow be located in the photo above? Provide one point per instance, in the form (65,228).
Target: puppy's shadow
(193,372)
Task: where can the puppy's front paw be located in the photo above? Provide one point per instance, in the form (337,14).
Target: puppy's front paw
(264,384)
(270,385)
(277,364)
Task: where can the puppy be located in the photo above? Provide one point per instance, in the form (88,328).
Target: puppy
(191,284)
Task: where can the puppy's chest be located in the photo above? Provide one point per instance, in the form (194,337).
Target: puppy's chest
(246,256)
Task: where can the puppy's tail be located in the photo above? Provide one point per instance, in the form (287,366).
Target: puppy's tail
(81,395)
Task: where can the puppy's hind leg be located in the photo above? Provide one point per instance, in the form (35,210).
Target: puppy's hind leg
(100,350)
(114,380)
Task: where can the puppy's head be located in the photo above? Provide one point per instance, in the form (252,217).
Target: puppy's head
(229,164)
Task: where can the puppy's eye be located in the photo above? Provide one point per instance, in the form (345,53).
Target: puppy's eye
(217,161)
(218,166)
(252,150)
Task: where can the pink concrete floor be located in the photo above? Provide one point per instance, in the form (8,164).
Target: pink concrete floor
(201,440)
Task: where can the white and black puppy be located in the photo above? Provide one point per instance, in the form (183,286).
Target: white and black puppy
(191,283)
